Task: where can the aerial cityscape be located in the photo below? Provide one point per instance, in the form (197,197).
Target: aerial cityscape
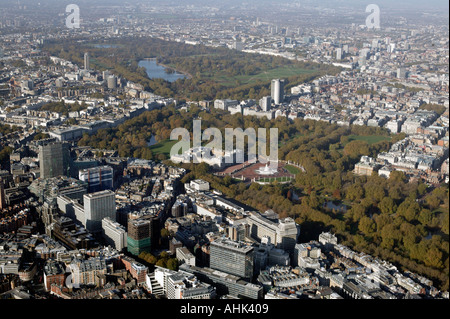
(224,150)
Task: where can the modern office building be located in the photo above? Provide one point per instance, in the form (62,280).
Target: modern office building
(87,62)
(54,159)
(98,206)
(267,255)
(232,257)
(155,230)
(98,178)
(112,82)
(225,284)
(338,54)
(265,103)
(72,236)
(185,256)
(138,237)
(277,91)
(180,208)
(145,226)
(401,73)
(225,104)
(114,234)
(306,255)
(238,232)
(157,282)
(2,195)
(283,233)
(71,208)
(183,285)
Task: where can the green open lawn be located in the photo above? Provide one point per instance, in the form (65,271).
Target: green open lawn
(370,139)
(281,72)
(98,64)
(292,169)
(163,147)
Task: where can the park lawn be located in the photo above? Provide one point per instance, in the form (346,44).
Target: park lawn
(292,169)
(265,76)
(99,65)
(281,72)
(163,147)
(370,139)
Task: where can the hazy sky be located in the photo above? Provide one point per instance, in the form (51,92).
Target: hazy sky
(330,3)
(416,6)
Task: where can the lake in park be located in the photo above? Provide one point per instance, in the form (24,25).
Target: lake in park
(330,205)
(105,46)
(157,71)
(152,141)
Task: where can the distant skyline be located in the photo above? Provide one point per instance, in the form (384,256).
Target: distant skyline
(429,5)
(283,13)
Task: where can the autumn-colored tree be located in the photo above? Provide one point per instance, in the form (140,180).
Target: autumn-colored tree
(367,225)
(172,264)
(354,192)
(357,212)
(356,149)
(425,217)
(337,194)
(387,206)
(164,255)
(165,233)
(162,263)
